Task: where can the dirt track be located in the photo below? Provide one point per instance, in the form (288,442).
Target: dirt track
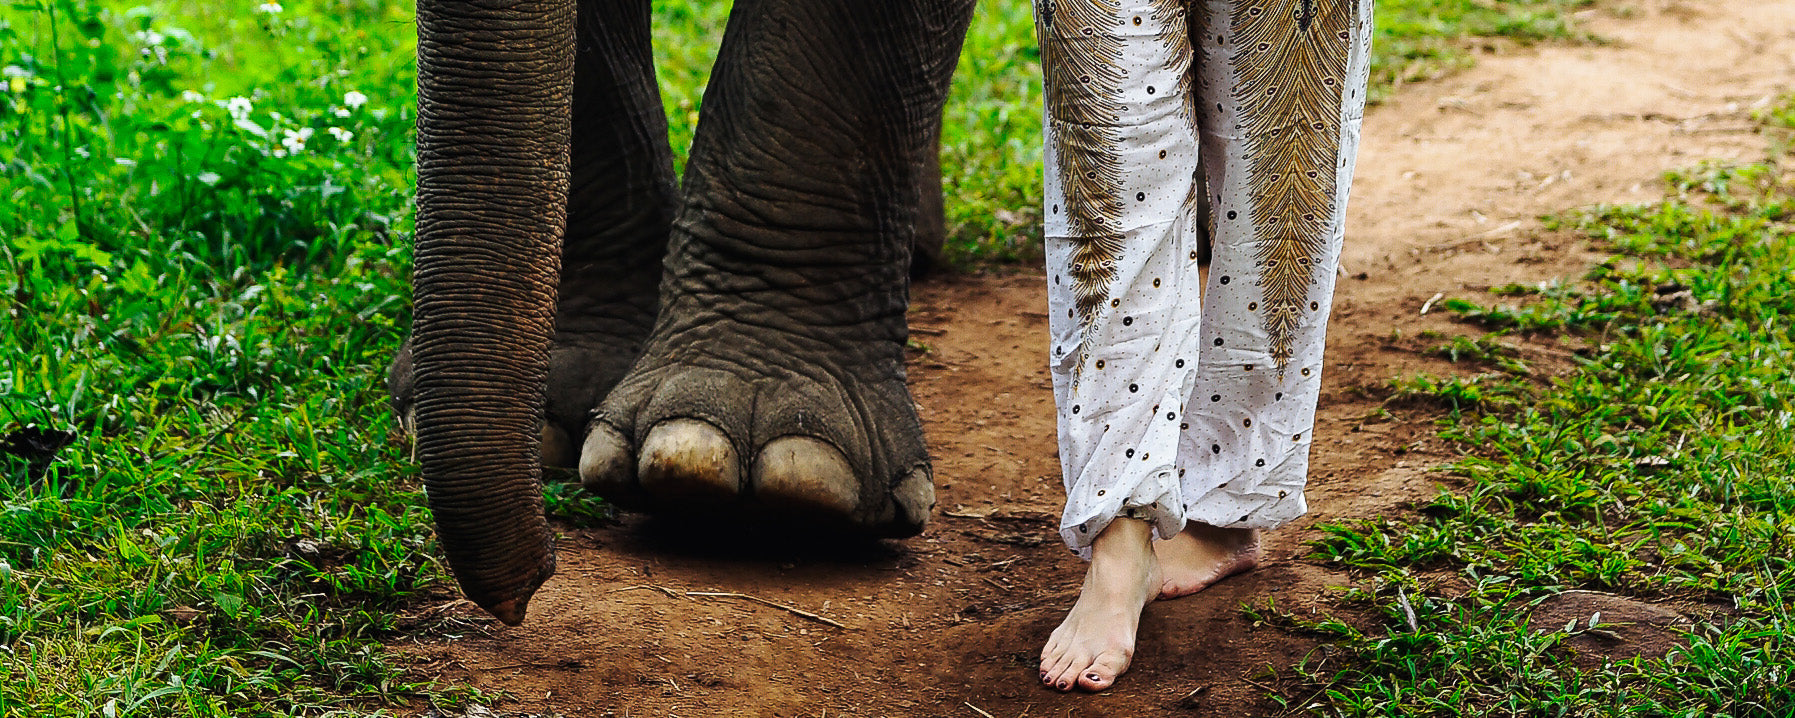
(1452,177)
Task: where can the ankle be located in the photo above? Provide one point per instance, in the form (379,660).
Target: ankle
(1123,537)
(1121,557)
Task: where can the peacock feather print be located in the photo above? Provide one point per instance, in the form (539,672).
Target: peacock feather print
(1290,60)
(1174,36)
(1081,57)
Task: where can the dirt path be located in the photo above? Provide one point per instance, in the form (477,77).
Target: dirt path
(1452,177)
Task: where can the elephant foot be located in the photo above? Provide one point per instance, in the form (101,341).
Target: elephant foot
(728,422)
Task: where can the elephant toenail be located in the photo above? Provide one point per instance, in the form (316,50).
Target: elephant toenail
(800,475)
(690,462)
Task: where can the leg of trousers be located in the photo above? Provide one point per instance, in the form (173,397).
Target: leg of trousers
(1179,402)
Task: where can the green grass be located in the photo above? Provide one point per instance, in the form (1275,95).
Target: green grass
(1660,467)
(1421,39)
(205,265)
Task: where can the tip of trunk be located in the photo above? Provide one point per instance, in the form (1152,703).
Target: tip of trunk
(503,585)
(509,603)
(510,611)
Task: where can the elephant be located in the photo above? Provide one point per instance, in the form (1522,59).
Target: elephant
(731,346)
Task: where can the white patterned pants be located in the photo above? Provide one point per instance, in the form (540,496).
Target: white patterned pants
(1178,404)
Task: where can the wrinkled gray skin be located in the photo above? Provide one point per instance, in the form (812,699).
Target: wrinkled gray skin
(730,348)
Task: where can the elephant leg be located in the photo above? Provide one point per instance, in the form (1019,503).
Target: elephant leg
(620,206)
(773,383)
(619,211)
(931,223)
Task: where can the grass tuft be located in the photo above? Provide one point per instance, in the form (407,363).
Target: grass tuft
(1660,469)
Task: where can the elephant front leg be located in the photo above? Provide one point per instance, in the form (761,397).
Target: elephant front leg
(620,207)
(773,382)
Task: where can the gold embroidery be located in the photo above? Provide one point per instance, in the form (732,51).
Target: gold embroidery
(1174,36)
(1081,59)
(1289,59)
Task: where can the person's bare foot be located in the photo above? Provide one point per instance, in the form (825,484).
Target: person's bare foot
(1096,641)
(1201,555)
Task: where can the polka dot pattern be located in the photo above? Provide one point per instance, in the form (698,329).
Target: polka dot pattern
(1162,415)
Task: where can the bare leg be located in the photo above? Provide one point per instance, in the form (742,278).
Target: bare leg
(1096,641)
(1201,555)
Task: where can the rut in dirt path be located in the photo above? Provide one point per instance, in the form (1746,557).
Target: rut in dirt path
(1452,177)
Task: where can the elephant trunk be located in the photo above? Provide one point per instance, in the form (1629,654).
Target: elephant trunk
(495,80)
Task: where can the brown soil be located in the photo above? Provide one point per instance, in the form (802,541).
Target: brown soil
(1603,627)
(1452,177)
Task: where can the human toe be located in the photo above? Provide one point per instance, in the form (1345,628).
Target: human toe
(1050,653)
(1053,667)
(1103,671)
(1067,678)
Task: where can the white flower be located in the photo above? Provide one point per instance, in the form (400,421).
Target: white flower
(354,99)
(294,140)
(239,107)
(191,96)
(272,8)
(278,152)
(341,134)
(340,111)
